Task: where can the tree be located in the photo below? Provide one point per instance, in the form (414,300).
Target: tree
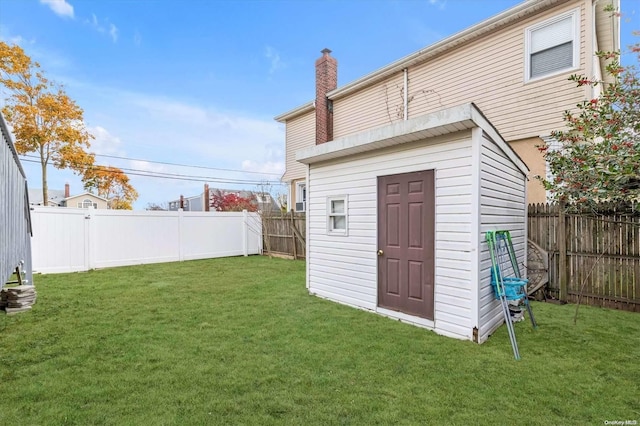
(110,183)
(43,117)
(162,207)
(232,202)
(599,154)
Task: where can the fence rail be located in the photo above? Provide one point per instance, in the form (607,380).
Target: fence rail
(594,258)
(284,235)
(70,240)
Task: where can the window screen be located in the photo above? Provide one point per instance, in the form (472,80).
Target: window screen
(552,47)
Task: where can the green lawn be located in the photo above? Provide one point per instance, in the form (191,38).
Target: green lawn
(239,341)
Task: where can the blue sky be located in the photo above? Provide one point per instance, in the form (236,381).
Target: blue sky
(198,82)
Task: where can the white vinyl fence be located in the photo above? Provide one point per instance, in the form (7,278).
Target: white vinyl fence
(71,240)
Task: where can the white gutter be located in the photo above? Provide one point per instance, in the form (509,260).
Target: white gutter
(519,11)
(309,106)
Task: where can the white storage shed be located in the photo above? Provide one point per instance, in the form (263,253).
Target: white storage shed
(396,219)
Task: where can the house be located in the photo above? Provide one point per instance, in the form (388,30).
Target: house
(403,171)
(513,66)
(63,198)
(263,200)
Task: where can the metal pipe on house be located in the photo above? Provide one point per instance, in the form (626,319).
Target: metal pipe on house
(406,95)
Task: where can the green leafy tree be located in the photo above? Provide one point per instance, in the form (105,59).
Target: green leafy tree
(598,157)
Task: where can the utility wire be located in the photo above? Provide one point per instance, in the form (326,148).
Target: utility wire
(185,165)
(174,176)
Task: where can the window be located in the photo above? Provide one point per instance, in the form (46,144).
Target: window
(337,217)
(87,204)
(552,46)
(301,196)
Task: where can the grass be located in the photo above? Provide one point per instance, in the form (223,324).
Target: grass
(239,341)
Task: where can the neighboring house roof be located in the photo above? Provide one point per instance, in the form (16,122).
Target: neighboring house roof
(84,195)
(500,20)
(56,196)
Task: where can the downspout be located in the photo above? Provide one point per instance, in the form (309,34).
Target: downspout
(597,71)
(406,94)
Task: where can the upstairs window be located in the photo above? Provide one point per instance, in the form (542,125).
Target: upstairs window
(552,46)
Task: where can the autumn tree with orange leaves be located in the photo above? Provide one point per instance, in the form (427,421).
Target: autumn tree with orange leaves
(45,120)
(110,183)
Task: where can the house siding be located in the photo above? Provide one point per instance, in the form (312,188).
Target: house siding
(300,133)
(344,268)
(518,110)
(502,207)
(73,201)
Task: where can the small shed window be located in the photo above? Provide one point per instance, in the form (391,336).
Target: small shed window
(552,46)
(337,217)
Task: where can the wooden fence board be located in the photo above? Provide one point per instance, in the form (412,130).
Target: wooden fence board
(602,256)
(285,235)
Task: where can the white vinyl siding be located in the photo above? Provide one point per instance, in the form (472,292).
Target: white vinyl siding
(300,133)
(345,269)
(552,46)
(502,207)
(471,73)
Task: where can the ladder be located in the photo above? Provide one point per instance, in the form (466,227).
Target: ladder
(508,285)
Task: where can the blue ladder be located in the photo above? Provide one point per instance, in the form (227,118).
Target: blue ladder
(508,284)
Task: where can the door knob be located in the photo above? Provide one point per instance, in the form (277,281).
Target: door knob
(380,252)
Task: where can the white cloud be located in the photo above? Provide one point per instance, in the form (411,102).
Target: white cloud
(59,7)
(137,39)
(113,32)
(101,26)
(274,58)
(440,4)
(167,129)
(105,142)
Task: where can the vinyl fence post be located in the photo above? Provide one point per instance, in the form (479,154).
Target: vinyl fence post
(180,242)
(245,232)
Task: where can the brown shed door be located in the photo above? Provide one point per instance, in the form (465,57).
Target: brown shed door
(406,236)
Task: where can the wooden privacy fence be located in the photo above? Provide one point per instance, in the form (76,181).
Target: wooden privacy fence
(284,235)
(594,258)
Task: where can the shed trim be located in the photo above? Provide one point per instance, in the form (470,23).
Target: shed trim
(449,120)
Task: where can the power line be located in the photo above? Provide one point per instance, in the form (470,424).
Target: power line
(185,165)
(175,176)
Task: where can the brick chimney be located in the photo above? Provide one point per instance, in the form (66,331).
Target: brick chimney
(326,81)
(66,190)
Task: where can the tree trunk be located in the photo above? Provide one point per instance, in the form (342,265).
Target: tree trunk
(45,190)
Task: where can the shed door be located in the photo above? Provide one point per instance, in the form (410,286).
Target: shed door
(406,225)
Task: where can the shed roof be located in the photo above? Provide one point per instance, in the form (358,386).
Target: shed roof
(449,120)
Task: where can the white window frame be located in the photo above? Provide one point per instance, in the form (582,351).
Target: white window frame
(330,215)
(87,204)
(575,22)
(301,196)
